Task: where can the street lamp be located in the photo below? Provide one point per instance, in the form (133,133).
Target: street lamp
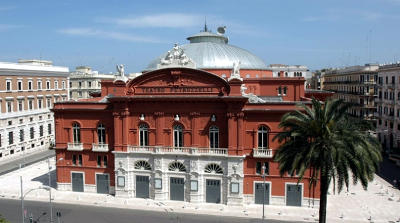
(263,176)
(24,195)
(50,204)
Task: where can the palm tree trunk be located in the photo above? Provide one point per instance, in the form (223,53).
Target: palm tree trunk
(324,197)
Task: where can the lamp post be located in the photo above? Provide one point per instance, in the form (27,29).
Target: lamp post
(263,175)
(49,174)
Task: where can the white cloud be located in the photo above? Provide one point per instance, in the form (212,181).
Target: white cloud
(167,20)
(345,14)
(108,35)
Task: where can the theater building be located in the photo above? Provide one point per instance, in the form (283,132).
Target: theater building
(196,126)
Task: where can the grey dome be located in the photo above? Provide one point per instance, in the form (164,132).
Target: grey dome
(212,51)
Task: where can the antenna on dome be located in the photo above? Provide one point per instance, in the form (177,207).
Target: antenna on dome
(205,24)
(221,30)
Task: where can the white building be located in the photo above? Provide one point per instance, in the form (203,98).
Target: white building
(84,81)
(28,90)
(282,70)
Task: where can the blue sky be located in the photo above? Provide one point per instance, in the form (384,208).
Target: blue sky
(102,34)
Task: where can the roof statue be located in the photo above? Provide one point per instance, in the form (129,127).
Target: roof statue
(121,73)
(235,72)
(176,57)
(252,97)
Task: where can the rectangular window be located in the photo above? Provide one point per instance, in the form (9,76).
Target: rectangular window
(20,85)
(105,161)
(40,103)
(49,128)
(30,85)
(21,135)
(56,85)
(32,132)
(74,159)
(48,103)
(63,85)
(10,138)
(48,85)
(80,84)
(80,160)
(90,84)
(279,91)
(98,161)
(258,168)
(284,90)
(30,104)
(41,130)
(20,105)
(9,106)
(8,85)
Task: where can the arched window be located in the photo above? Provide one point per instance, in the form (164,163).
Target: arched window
(214,137)
(178,136)
(143,135)
(142,165)
(101,134)
(76,132)
(262,137)
(213,168)
(177,166)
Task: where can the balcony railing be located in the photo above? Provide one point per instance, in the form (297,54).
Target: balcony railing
(178,150)
(75,146)
(262,153)
(99,147)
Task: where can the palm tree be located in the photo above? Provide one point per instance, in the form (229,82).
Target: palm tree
(328,143)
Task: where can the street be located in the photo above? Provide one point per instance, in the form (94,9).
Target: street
(389,171)
(11,210)
(25,161)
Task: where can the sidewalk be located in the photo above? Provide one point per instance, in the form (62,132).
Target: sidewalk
(381,203)
(27,159)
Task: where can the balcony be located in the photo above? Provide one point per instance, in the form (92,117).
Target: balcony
(178,150)
(99,147)
(262,153)
(75,146)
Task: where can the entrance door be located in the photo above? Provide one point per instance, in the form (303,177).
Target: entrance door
(177,189)
(213,191)
(102,183)
(142,187)
(77,182)
(259,193)
(293,194)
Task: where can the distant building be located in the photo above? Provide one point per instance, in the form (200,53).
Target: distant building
(388,107)
(28,90)
(84,81)
(282,70)
(356,84)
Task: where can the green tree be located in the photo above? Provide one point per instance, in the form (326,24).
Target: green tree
(3,220)
(328,143)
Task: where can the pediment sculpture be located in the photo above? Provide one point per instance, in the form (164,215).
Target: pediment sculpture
(176,57)
(235,74)
(252,97)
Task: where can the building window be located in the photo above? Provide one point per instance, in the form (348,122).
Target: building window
(90,84)
(80,84)
(74,159)
(20,105)
(10,138)
(48,102)
(80,160)
(8,85)
(259,168)
(213,168)
(79,93)
(49,128)
(21,135)
(63,85)
(262,137)
(98,161)
(32,132)
(279,91)
(178,136)
(41,130)
(76,132)
(143,135)
(9,106)
(56,85)
(284,90)
(105,161)
(48,85)
(40,101)
(20,85)
(101,134)
(214,137)
(30,104)
(39,85)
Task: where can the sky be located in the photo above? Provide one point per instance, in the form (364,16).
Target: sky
(103,33)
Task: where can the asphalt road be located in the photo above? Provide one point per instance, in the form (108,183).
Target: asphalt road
(389,171)
(11,210)
(25,161)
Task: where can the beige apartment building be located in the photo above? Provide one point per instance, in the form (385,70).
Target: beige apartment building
(28,90)
(356,84)
(84,81)
(388,107)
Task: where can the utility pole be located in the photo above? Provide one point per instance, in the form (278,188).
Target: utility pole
(22,200)
(51,206)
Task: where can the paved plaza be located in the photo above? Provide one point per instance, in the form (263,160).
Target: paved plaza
(381,203)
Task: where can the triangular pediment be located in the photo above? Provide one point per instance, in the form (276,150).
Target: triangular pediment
(178,81)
